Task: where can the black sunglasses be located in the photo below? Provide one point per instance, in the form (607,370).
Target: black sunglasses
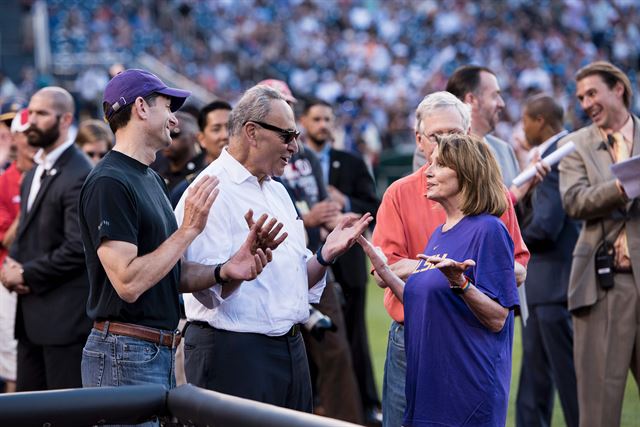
(100,154)
(288,135)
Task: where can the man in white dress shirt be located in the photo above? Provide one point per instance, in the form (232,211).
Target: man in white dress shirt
(244,339)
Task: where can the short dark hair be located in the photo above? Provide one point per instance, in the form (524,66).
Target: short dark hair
(313,102)
(122,117)
(212,106)
(465,79)
(545,106)
(611,75)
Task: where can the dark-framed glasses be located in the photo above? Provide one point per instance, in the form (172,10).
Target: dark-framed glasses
(287,135)
(96,154)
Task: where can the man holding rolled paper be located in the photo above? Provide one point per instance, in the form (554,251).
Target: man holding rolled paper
(550,235)
(604,287)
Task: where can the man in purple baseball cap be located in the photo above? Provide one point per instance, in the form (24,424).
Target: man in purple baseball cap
(128,85)
(134,246)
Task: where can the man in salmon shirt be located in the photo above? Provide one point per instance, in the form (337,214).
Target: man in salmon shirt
(405,221)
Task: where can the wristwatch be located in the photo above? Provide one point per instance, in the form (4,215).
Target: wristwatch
(462,289)
(323,262)
(218,276)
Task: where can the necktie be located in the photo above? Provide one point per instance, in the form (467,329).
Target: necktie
(621,150)
(620,147)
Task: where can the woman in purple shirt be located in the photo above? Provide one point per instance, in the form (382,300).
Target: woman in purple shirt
(458,302)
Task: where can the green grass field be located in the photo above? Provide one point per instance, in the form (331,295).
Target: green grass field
(378,323)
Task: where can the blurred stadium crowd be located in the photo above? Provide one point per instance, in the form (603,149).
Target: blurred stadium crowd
(373,59)
(371,62)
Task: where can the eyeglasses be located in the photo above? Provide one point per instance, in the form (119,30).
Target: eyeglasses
(99,154)
(287,135)
(433,137)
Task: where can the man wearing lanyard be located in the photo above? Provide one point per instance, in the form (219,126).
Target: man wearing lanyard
(604,287)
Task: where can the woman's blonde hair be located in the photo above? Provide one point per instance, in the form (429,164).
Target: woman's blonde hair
(94,130)
(478,173)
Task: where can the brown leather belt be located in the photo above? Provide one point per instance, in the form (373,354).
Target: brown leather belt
(156,336)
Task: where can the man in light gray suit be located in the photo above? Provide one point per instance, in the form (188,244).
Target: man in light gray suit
(604,286)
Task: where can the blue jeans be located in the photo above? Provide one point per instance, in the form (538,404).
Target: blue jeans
(395,370)
(113,360)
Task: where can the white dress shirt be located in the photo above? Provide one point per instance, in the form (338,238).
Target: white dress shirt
(279,297)
(45,163)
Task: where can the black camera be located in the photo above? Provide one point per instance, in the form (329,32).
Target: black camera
(605,256)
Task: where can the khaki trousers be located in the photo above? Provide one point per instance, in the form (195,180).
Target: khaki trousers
(606,345)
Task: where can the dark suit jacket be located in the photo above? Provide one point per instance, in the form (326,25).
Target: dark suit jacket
(49,246)
(550,236)
(349,174)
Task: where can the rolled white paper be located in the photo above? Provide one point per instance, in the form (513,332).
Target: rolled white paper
(551,160)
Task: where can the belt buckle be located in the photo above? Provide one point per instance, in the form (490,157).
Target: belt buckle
(175,339)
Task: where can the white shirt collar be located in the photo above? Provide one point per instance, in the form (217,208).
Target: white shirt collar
(237,172)
(48,160)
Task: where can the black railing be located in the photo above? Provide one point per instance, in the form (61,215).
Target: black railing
(185,405)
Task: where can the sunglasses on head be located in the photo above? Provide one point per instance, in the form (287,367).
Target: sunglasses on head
(287,135)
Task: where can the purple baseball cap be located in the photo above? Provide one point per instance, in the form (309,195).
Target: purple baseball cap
(127,85)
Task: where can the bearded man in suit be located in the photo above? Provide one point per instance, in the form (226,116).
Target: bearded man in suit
(46,266)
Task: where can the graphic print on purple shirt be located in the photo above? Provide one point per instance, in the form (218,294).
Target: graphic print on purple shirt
(458,372)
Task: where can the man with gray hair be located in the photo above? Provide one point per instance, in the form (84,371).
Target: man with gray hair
(429,104)
(245,340)
(405,221)
(478,88)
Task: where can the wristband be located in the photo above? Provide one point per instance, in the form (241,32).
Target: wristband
(321,260)
(218,276)
(463,289)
